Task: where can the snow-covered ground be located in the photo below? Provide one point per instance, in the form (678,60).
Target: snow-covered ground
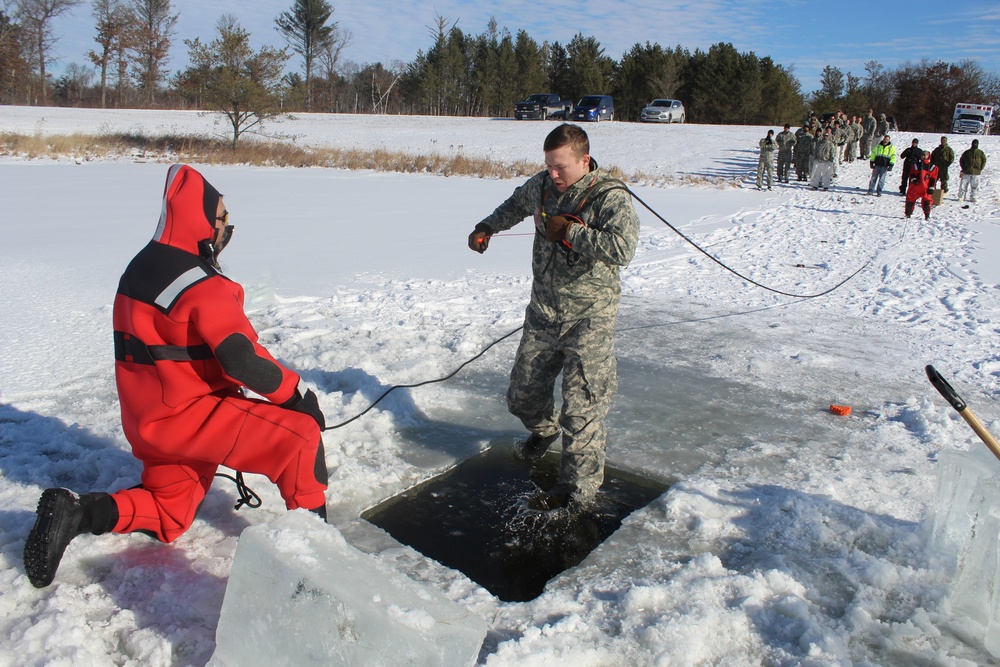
(791,536)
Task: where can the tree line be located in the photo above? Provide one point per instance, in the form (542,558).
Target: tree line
(459,73)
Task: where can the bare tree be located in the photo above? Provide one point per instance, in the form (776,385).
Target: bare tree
(114,22)
(155,29)
(35,17)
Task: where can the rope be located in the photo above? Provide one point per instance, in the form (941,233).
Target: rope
(737,273)
(425,382)
(247,495)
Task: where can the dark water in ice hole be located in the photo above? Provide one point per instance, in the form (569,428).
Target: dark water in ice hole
(472,518)
(670,419)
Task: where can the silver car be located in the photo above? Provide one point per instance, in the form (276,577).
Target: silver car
(663,111)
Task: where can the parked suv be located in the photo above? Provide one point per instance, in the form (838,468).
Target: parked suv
(663,111)
(595,108)
(540,106)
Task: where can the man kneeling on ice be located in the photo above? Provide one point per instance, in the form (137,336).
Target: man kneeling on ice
(585,230)
(184,352)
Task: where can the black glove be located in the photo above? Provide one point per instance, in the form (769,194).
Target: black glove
(930,191)
(913,180)
(871,164)
(479,239)
(307,404)
(890,167)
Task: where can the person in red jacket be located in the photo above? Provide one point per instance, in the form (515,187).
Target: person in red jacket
(922,178)
(184,352)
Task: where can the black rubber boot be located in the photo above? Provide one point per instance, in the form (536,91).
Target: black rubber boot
(61,516)
(534,447)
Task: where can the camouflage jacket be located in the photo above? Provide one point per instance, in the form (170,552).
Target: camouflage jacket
(786,140)
(825,150)
(767,148)
(857,131)
(868,125)
(943,156)
(804,145)
(882,128)
(973,161)
(570,285)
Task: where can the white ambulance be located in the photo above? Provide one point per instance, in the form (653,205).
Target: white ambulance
(972,118)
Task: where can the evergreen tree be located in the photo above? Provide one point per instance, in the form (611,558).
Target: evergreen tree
(530,63)
(589,71)
(309,32)
(558,72)
(830,96)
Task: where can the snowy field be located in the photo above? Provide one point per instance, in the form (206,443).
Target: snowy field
(790,536)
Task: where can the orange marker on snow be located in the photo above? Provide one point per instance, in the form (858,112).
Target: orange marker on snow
(842,410)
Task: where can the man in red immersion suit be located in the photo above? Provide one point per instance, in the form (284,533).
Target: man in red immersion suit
(922,177)
(184,352)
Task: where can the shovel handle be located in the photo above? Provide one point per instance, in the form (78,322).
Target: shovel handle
(956,402)
(946,389)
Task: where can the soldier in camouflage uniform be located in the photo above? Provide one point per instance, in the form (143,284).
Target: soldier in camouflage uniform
(803,152)
(824,159)
(881,128)
(854,133)
(839,141)
(585,230)
(786,142)
(765,163)
(942,157)
(867,135)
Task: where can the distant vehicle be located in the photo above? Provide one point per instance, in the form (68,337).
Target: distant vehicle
(541,106)
(663,111)
(594,108)
(972,118)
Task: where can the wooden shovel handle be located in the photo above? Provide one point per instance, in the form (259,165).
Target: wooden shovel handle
(956,402)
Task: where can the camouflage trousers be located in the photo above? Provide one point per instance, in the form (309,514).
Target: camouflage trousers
(866,147)
(765,166)
(584,353)
(784,166)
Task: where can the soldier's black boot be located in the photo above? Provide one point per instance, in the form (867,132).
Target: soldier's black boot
(534,447)
(61,516)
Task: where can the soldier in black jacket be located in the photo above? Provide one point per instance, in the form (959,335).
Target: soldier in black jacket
(911,156)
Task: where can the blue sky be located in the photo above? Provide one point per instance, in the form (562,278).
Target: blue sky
(801,34)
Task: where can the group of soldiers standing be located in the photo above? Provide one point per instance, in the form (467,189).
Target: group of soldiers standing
(818,148)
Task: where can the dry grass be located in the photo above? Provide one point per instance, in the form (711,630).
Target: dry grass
(255,152)
(277,153)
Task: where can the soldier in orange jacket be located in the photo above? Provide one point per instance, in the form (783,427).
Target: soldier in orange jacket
(184,352)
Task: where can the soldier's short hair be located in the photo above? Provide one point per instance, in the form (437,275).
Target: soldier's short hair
(568,135)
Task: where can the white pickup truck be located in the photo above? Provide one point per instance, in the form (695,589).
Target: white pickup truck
(972,118)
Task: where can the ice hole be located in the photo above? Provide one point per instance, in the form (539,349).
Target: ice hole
(473,518)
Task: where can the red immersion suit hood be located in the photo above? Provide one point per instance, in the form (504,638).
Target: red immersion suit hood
(189,208)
